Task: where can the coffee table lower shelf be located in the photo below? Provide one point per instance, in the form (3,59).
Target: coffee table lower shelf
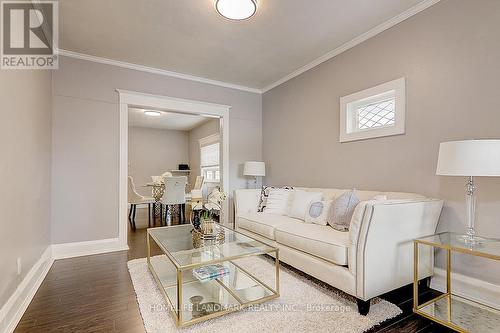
(460,314)
(201,301)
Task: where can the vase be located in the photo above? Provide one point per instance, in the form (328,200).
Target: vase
(207,226)
(196,219)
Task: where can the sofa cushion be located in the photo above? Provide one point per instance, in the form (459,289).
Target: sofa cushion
(263,224)
(318,240)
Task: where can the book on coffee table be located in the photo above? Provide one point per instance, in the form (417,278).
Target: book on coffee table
(210,272)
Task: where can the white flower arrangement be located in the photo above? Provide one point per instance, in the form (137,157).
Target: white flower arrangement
(215,200)
(203,218)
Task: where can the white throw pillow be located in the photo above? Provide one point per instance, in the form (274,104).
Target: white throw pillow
(318,212)
(300,202)
(277,201)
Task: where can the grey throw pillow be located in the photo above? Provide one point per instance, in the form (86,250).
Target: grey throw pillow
(342,210)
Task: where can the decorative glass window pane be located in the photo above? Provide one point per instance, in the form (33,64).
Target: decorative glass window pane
(210,175)
(376,114)
(217,175)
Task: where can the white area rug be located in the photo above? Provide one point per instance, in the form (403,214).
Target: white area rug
(303,306)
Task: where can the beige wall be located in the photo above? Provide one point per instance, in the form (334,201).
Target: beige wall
(449,55)
(85,183)
(206,129)
(151,152)
(25,135)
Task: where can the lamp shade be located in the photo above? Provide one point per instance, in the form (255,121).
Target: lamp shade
(256,169)
(469,158)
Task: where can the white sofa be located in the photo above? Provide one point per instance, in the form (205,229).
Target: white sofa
(376,254)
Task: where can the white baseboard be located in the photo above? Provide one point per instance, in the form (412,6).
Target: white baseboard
(468,287)
(78,249)
(13,310)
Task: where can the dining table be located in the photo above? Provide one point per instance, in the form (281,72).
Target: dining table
(157,191)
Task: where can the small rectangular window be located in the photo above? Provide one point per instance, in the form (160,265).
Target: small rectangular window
(374,112)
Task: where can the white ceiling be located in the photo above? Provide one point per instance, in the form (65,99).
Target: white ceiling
(167,120)
(188,36)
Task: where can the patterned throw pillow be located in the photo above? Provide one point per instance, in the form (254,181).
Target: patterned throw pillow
(264,194)
(278,201)
(318,212)
(342,210)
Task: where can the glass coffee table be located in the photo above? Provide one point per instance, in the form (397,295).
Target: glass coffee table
(191,300)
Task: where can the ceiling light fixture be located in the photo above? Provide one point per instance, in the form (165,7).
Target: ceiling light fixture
(152,113)
(236,9)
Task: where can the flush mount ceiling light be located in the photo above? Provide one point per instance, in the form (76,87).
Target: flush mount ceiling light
(152,113)
(236,9)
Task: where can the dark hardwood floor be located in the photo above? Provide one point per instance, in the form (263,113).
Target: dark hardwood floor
(95,294)
(408,321)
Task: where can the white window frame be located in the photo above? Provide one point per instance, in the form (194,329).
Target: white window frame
(207,141)
(215,169)
(348,111)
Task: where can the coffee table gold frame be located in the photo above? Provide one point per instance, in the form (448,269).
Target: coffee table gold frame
(448,295)
(177,310)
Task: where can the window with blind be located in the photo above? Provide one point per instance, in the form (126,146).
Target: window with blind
(209,162)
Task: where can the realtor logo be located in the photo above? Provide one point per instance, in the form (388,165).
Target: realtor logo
(29,34)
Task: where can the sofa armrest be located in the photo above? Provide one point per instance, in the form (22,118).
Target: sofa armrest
(246,201)
(381,243)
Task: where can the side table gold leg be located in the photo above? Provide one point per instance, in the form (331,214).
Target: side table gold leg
(415,275)
(448,282)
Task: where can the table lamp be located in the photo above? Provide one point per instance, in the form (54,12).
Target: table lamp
(254,169)
(470,158)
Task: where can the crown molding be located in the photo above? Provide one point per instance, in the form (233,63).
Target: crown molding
(357,40)
(153,70)
(344,47)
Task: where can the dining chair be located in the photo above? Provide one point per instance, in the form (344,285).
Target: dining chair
(135,199)
(166,174)
(175,195)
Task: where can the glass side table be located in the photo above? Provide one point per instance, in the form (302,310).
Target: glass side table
(453,311)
